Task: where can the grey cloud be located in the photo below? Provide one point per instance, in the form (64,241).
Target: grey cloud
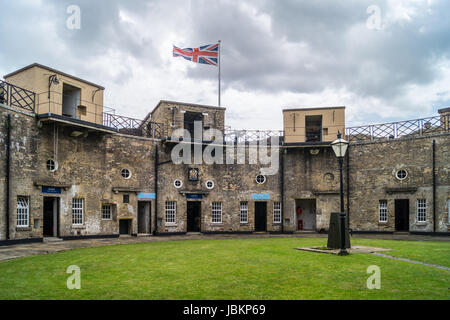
(344,53)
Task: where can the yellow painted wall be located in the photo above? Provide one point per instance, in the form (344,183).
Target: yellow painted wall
(333,119)
(36,79)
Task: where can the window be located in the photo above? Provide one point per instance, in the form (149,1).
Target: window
(77,211)
(260,179)
(177,183)
(382,211)
(313,128)
(421,210)
(171,211)
(126,198)
(106,212)
(125,173)
(23,211)
(209,184)
(448,210)
(52,165)
(244,212)
(216,213)
(401,174)
(277,212)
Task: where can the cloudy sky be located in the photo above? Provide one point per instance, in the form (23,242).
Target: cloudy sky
(384,60)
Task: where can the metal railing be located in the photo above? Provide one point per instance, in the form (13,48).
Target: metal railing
(398,130)
(135,127)
(16,96)
(248,136)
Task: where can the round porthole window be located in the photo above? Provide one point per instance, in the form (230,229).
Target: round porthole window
(52,165)
(209,184)
(260,179)
(177,183)
(401,174)
(125,173)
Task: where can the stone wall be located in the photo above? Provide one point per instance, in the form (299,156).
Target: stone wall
(373,167)
(233,183)
(310,173)
(89,167)
(90,164)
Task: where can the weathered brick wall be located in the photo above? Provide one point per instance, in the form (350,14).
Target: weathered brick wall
(88,166)
(174,119)
(233,183)
(23,165)
(372,171)
(311,176)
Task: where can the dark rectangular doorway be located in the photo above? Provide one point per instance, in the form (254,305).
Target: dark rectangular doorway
(189,121)
(125,226)
(194,214)
(144,217)
(402,215)
(260,216)
(51,217)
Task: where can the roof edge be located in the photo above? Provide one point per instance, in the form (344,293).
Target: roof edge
(318,108)
(52,70)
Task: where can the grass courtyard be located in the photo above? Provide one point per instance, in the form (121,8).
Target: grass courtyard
(230,269)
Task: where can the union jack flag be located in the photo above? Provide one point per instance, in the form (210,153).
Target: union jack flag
(208,54)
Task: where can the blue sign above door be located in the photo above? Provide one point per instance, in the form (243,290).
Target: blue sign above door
(146,195)
(260,196)
(53,190)
(194,196)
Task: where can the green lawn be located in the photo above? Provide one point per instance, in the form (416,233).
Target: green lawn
(229,269)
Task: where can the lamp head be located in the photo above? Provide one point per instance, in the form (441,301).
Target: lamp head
(339,146)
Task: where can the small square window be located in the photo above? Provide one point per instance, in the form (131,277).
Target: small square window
(106,212)
(126,198)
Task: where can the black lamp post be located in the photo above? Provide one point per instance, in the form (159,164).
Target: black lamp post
(340,148)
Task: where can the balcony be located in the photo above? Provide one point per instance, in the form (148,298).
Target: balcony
(52,106)
(17,97)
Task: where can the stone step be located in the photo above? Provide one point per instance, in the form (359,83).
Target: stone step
(193,233)
(401,233)
(305,231)
(52,239)
(144,234)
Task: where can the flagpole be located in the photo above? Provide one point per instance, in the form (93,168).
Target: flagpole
(219,74)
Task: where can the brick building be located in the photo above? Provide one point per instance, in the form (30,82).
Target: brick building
(73,168)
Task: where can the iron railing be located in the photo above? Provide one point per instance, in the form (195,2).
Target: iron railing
(135,127)
(17,97)
(398,130)
(248,136)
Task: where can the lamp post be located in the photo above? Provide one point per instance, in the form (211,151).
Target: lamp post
(340,148)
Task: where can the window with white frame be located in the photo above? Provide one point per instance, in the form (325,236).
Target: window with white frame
(448,210)
(244,212)
(125,173)
(260,179)
(106,212)
(421,210)
(171,211)
(382,211)
(277,212)
(52,165)
(77,211)
(23,211)
(216,213)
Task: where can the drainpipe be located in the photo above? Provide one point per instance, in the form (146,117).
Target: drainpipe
(8,171)
(156,189)
(282,188)
(434,186)
(348,187)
